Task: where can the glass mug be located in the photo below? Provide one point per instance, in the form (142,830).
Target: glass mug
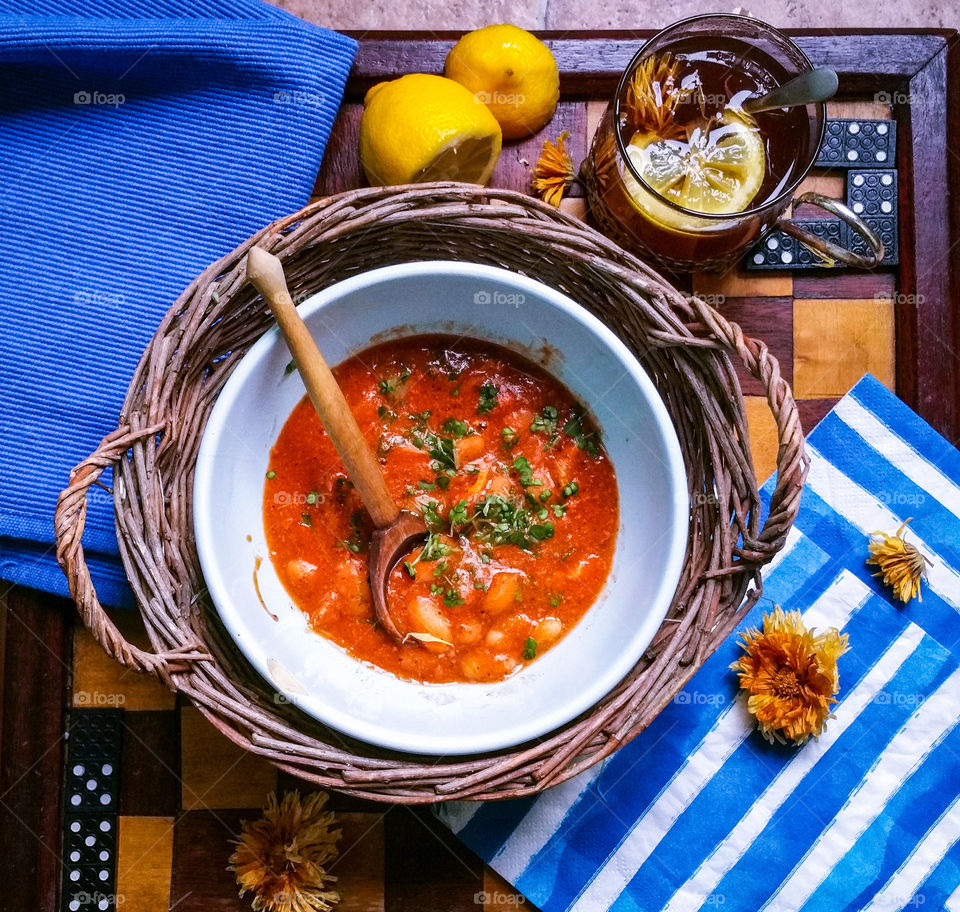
(682,91)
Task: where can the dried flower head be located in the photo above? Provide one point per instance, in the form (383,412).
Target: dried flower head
(901,565)
(653,95)
(282,858)
(553,174)
(791,676)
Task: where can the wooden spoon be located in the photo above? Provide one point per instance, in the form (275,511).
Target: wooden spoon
(396,530)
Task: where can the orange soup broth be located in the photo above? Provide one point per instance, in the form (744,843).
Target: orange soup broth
(498,604)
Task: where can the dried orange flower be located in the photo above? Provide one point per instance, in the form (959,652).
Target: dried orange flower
(554,172)
(901,565)
(653,96)
(282,857)
(791,676)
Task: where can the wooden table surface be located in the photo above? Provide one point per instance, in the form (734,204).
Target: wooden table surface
(184,788)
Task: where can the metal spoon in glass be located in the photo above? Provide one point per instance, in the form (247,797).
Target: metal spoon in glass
(812,86)
(396,531)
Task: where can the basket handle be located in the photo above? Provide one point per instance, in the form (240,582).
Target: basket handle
(69,521)
(792,461)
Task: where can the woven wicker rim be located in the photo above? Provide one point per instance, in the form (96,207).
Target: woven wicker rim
(683,343)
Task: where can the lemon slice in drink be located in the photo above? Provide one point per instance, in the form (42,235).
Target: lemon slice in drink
(716,171)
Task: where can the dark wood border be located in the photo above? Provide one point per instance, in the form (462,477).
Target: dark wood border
(918,66)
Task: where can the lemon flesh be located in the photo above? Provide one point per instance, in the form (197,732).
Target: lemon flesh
(715,172)
(512,72)
(422,127)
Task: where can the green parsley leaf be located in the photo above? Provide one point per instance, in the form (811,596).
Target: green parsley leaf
(530,649)
(305,519)
(434,549)
(455,427)
(585,440)
(488,398)
(571,489)
(452,598)
(545,422)
(426,485)
(523,468)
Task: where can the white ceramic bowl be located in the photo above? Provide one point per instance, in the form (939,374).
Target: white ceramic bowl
(358,698)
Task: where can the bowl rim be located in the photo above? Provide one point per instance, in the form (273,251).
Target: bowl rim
(419,742)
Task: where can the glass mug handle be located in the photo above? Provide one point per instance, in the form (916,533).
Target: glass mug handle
(827,249)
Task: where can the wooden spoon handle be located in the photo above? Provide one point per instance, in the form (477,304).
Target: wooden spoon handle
(265,273)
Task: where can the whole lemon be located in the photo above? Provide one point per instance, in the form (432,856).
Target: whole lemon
(510,70)
(426,128)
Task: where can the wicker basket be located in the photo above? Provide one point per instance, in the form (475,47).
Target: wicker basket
(686,347)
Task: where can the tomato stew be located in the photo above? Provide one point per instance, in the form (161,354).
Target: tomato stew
(512,479)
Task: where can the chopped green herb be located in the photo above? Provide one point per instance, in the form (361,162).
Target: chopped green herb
(426,485)
(570,489)
(585,440)
(431,515)
(441,449)
(452,598)
(411,570)
(440,569)
(485,557)
(290,368)
(541,531)
(543,513)
(435,589)
(443,482)
(312,497)
(455,427)
(271,474)
(455,391)
(305,519)
(530,649)
(556,599)
(488,399)
(479,584)
(352,546)
(458,515)
(434,549)
(559,510)
(509,437)
(523,468)
(545,495)
(545,422)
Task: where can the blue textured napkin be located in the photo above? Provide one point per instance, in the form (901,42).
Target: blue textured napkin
(699,813)
(139,141)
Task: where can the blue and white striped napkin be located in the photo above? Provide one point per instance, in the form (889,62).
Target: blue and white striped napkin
(700,813)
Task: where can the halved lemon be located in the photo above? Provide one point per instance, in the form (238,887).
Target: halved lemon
(422,127)
(716,171)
